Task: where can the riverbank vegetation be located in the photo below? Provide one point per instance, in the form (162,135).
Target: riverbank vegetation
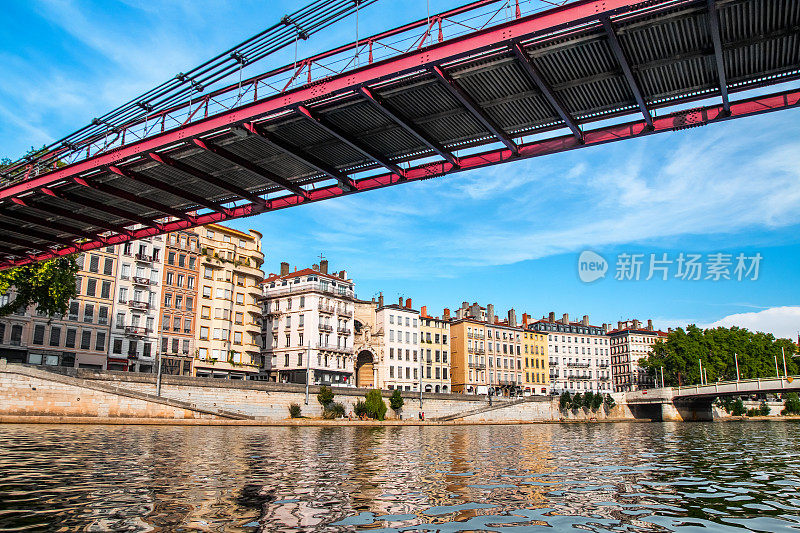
(680,353)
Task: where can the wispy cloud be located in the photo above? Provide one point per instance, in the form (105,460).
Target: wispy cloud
(783,322)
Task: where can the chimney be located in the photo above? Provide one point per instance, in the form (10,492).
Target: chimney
(525,319)
(490,313)
(565,319)
(669,330)
(446,314)
(637,324)
(512,317)
(552,317)
(408,303)
(323,266)
(315,267)
(343,274)
(423,311)
(400,301)
(497,320)
(475,310)
(585,320)
(649,324)
(284,268)
(619,324)
(380,299)
(464,305)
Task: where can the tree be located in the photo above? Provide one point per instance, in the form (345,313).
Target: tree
(325,396)
(396,400)
(565,401)
(294,410)
(577,401)
(376,407)
(792,404)
(738,408)
(588,398)
(609,402)
(47,284)
(597,401)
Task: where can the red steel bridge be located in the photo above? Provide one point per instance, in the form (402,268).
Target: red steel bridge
(519,85)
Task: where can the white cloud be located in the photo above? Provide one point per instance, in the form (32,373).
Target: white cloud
(783,322)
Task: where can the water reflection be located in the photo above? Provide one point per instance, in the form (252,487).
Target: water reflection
(596,477)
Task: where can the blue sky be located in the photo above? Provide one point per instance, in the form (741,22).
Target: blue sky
(507,235)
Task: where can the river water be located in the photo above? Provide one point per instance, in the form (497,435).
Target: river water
(691,477)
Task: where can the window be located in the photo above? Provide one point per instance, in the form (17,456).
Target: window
(240,298)
(94,263)
(206,292)
(73,310)
(190,282)
(179,280)
(165,322)
(205,312)
(167,300)
(117,348)
(78,284)
(176,323)
(169,278)
(123,295)
(38,334)
(192,259)
(69,342)
(88,313)
(237,337)
(187,325)
(102,315)
(178,301)
(239,318)
(86,340)
(100,341)
(208,272)
(203,333)
(55,336)
(189,303)
(108,266)
(91,287)
(105,290)
(120,320)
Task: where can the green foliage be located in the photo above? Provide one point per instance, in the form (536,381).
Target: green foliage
(577,401)
(47,284)
(763,409)
(396,400)
(609,402)
(725,403)
(333,410)
(792,404)
(376,407)
(565,401)
(738,408)
(360,408)
(325,396)
(294,410)
(716,347)
(596,402)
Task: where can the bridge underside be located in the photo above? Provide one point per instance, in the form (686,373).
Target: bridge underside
(530,87)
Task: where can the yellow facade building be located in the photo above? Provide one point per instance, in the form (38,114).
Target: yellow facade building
(536,366)
(434,349)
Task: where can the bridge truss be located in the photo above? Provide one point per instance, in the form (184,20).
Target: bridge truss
(585,73)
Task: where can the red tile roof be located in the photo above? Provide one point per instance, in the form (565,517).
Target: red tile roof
(303,272)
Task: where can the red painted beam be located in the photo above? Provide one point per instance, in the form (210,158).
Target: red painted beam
(569,15)
(671,122)
(71,215)
(51,225)
(99,206)
(133,198)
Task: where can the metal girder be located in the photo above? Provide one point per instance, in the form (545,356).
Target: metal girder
(547,91)
(616,49)
(713,26)
(352,143)
(133,198)
(167,188)
(415,131)
(344,181)
(618,132)
(237,160)
(23,243)
(39,221)
(71,215)
(10,252)
(206,177)
(111,210)
(475,110)
(35,234)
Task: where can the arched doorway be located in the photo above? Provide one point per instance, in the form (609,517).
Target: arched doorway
(364,370)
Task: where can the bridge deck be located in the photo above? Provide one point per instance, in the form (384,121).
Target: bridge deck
(524,88)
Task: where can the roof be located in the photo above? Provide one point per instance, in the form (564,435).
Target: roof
(398,308)
(643,331)
(304,272)
(578,324)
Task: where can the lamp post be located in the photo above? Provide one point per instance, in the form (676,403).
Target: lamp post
(308,369)
(701,370)
(158,375)
(662,377)
(736,358)
(783,354)
(777,374)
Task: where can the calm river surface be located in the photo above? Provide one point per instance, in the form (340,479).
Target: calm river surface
(723,477)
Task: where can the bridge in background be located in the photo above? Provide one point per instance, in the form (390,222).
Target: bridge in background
(582,74)
(694,402)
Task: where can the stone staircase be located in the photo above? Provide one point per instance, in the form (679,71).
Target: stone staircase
(39,373)
(478,410)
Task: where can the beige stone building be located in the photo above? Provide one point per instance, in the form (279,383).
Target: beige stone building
(368,343)
(434,344)
(630,342)
(228,325)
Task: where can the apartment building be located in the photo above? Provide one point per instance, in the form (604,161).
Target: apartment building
(78,339)
(179,285)
(400,365)
(308,326)
(434,346)
(467,355)
(578,354)
(535,366)
(629,343)
(134,333)
(228,328)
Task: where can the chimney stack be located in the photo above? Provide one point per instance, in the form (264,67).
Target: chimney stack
(343,274)
(490,313)
(649,324)
(423,311)
(552,317)
(400,301)
(284,268)
(512,318)
(525,319)
(323,266)
(475,311)
(408,303)
(446,313)
(637,324)
(565,319)
(464,305)
(585,320)
(380,299)
(315,267)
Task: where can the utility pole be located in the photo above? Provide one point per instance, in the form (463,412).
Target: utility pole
(662,377)
(421,369)
(783,354)
(777,374)
(736,358)
(701,370)
(158,374)
(308,369)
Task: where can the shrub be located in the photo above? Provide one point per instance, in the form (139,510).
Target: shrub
(325,396)
(792,404)
(609,402)
(294,410)
(396,400)
(376,407)
(763,409)
(333,410)
(360,408)
(753,412)
(738,408)
(565,401)
(577,401)
(597,401)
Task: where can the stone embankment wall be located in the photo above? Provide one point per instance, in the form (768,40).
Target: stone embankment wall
(85,393)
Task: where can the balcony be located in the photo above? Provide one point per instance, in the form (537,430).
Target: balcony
(329,309)
(136,304)
(140,281)
(144,258)
(603,365)
(345,312)
(136,331)
(333,348)
(273,312)
(274,327)
(578,365)
(323,327)
(477,366)
(480,351)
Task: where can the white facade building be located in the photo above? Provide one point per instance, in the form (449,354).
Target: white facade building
(578,354)
(308,327)
(400,365)
(134,331)
(631,342)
